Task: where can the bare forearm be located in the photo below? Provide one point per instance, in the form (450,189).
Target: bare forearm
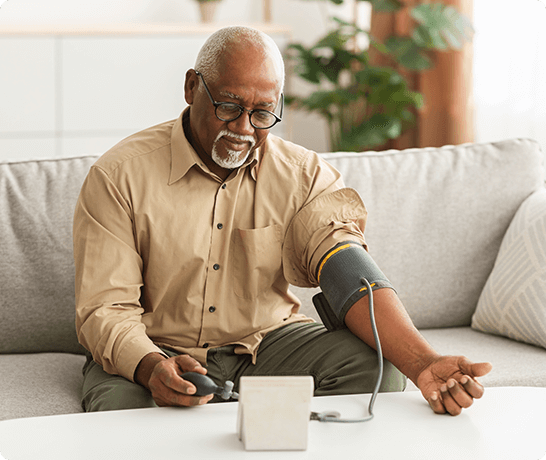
(401,342)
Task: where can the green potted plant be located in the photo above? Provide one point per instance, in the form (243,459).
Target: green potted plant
(207,8)
(366,105)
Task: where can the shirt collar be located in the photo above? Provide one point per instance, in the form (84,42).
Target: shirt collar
(183,155)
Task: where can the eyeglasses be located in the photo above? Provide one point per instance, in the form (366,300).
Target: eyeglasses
(229,111)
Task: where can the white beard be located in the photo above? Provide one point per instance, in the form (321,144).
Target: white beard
(232,161)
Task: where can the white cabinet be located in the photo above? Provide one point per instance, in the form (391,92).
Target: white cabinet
(67,93)
(27,84)
(27,97)
(116,84)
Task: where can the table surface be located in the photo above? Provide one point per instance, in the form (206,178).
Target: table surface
(507,423)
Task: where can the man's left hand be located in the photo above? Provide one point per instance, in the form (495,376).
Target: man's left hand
(449,383)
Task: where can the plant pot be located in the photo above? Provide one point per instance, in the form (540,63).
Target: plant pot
(208,10)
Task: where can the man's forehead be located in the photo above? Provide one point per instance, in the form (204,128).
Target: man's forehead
(238,60)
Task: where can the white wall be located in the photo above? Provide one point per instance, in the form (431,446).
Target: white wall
(510,69)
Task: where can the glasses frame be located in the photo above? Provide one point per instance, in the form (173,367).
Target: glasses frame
(278,118)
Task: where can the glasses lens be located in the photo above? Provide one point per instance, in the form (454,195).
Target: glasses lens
(263,119)
(228,111)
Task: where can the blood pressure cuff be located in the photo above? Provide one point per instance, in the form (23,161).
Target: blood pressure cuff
(340,275)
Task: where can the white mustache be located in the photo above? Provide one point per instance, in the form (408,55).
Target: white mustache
(228,133)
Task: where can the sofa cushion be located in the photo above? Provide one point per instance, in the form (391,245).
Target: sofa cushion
(37,200)
(37,384)
(437,216)
(513,302)
(514,363)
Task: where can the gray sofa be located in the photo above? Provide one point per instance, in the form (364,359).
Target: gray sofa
(437,219)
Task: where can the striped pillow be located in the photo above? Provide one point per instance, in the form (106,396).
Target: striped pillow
(513,301)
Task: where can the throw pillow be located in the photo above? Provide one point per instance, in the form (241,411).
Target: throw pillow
(513,301)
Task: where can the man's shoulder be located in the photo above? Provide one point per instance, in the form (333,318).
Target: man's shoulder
(137,146)
(286,151)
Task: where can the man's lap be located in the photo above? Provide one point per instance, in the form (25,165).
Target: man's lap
(339,363)
(102,391)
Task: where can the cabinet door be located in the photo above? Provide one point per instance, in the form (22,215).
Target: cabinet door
(27,97)
(27,84)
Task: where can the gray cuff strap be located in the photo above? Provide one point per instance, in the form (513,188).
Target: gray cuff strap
(340,272)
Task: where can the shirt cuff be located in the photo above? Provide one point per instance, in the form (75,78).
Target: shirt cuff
(132,353)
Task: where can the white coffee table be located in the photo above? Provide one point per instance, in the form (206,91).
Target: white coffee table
(508,423)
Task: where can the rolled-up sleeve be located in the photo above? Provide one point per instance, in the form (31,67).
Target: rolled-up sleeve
(108,278)
(326,220)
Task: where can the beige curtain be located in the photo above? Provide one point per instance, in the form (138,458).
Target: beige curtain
(447,116)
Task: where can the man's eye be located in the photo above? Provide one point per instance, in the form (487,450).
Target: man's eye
(230,108)
(262,115)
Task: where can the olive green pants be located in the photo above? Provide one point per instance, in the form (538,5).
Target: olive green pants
(339,362)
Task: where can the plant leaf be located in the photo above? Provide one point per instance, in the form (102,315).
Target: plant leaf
(386,6)
(307,66)
(374,76)
(440,26)
(334,39)
(373,132)
(408,53)
(407,116)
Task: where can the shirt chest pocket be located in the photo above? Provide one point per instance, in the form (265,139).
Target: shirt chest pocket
(256,256)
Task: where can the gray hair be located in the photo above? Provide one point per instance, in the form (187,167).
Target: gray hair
(208,59)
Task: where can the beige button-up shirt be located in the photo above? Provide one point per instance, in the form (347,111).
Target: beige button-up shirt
(167,254)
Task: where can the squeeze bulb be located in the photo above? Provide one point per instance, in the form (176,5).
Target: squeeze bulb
(206,386)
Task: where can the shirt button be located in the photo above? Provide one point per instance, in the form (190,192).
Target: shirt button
(224,186)
(216,267)
(212,309)
(220,226)
(205,345)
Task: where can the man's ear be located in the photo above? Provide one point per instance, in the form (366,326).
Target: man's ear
(190,86)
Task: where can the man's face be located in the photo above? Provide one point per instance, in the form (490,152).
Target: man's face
(246,78)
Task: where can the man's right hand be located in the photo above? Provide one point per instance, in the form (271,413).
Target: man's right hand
(162,377)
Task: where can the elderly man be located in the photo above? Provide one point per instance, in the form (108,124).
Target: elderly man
(188,234)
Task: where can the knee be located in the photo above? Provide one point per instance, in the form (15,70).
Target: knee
(351,367)
(117,397)
(393,380)
(103,391)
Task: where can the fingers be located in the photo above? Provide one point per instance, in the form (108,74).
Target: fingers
(169,389)
(173,399)
(449,384)
(480,369)
(189,364)
(474,369)
(436,404)
(455,396)
(472,387)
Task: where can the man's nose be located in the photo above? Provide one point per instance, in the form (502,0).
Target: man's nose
(242,125)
